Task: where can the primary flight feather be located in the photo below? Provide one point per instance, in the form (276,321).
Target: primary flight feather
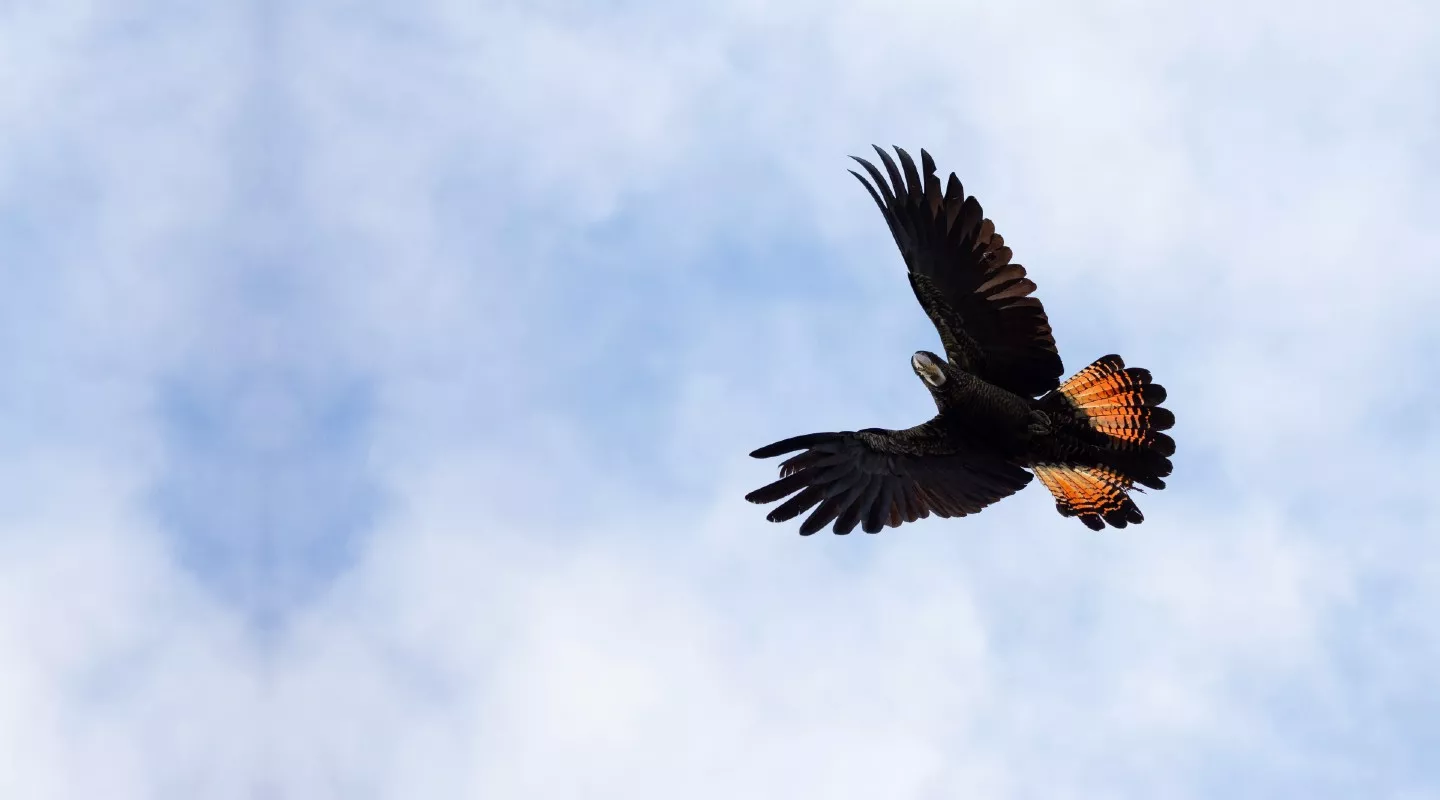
(1001,411)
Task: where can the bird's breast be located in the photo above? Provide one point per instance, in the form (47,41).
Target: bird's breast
(984,412)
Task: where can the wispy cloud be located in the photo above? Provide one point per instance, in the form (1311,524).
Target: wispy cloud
(378,384)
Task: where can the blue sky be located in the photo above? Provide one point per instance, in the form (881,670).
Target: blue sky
(380,378)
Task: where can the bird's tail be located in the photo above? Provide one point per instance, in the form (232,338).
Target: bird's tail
(1118,417)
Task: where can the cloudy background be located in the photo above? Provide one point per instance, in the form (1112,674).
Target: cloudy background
(378,380)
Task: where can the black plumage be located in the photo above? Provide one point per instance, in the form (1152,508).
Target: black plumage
(1001,410)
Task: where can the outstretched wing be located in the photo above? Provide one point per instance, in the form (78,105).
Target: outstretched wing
(961,272)
(875,478)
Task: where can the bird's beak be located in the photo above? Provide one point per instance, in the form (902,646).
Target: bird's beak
(927,369)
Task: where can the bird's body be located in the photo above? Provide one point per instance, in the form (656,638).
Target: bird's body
(1000,406)
(980,412)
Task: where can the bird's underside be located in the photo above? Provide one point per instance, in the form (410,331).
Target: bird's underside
(1002,412)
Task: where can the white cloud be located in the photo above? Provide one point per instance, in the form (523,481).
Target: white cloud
(588,260)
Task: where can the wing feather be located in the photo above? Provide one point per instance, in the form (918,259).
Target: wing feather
(876,479)
(979,300)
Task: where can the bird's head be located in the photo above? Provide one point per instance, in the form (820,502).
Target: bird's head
(930,368)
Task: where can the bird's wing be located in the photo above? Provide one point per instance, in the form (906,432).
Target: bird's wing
(961,272)
(875,478)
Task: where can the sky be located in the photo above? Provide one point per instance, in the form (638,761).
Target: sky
(379,381)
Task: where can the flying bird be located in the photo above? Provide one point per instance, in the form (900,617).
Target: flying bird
(1002,412)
